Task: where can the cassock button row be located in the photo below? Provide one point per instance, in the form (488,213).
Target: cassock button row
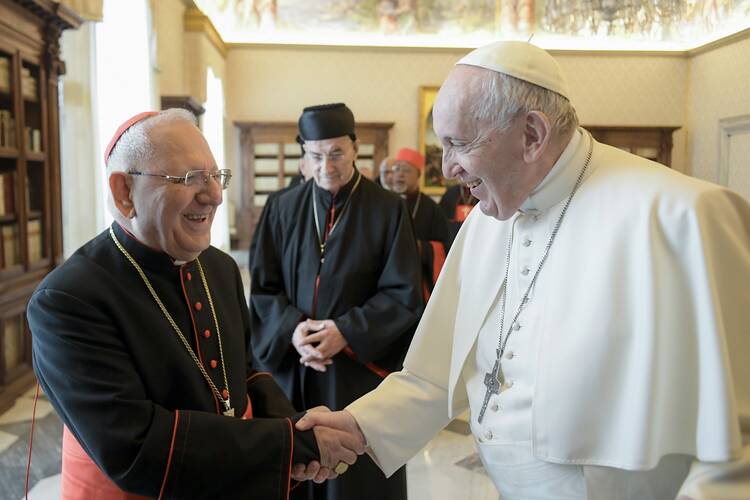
(189,277)
(516,326)
(488,435)
(495,407)
(509,355)
(198,306)
(214,363)
(525,271)
(224,393)
(527,242)
(206,334)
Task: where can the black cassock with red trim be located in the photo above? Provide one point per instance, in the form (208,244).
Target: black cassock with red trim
(368,284)
(124,384)
(433,234)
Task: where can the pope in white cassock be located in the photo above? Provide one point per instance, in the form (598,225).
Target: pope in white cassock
(593,316)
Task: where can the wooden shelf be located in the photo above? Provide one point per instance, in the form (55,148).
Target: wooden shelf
(374,135)
(36,156)
(11,153)
(30,40)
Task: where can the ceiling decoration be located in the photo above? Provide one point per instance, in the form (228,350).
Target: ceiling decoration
(564,24)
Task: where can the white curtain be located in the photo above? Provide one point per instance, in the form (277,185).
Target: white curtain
(213,129)
(123,77)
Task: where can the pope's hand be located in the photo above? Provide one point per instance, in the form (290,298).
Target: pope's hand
(313,470)
(342,421)
(308,354)
(328,338)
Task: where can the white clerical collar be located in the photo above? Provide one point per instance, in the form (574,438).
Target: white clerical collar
(559,181)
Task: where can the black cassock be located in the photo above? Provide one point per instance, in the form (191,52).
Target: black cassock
(124,384)
(368,283)
(456,203)
(433,234)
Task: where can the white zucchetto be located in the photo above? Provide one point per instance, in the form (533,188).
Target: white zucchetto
(521,60)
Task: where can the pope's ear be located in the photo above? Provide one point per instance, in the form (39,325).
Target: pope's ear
(121,189)
(536,135)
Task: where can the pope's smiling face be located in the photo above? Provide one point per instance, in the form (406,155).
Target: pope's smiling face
(175,218)
(486,158)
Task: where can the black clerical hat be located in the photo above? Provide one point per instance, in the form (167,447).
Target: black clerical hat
(326,121)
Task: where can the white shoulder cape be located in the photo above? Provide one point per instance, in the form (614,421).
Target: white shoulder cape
(646,328)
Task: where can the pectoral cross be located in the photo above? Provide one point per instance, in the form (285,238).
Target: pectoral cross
(228,410)
(493,381)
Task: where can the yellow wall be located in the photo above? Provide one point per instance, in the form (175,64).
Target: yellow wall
(381,84)
(719,87)
(170,45)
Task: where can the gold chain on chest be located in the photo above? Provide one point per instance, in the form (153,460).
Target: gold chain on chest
(228,410)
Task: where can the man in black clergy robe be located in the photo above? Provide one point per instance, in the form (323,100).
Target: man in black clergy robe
(430,225)
(141,342)
(456,203)
(335,288)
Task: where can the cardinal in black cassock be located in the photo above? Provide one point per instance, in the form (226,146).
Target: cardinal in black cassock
(430,224)
(456,203)
(336,261)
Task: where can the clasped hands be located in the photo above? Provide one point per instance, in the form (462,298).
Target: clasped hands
(317,341)
(340,440)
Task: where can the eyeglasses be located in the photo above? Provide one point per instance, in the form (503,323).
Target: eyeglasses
(193,177)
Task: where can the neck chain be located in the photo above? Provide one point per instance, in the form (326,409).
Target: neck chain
(228,410)
(416,205)
(495,379)
(323,238)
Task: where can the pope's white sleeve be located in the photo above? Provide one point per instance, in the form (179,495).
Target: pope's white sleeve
(399,418)
(719,480)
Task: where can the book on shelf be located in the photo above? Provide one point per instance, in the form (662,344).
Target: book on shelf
(9,234)
(4,74)
(7,129)
(28,84)
(36,140)
(33,139)
(34,239)
(7,198)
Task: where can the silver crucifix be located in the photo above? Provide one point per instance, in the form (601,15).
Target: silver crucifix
(493,380)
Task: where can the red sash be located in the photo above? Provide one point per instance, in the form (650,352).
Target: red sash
(462,212)
(83,480)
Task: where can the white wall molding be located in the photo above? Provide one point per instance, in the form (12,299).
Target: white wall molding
(728,128)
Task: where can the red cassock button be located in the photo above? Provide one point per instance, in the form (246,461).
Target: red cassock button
(198,306)
(189,277)
(206,333)
(225,394)
(214,363)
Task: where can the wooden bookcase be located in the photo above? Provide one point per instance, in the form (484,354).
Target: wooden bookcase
(654,143)
(270,159)
(30,219)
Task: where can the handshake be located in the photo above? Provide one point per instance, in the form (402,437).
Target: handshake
(339,439)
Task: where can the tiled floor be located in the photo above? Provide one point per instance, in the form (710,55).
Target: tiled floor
(447,468)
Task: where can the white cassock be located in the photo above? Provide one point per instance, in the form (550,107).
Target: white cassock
(629,367)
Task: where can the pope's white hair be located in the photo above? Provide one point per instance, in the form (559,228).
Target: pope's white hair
(135,149)
(503,97)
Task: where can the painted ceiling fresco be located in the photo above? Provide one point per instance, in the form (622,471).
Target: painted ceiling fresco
(582,24)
